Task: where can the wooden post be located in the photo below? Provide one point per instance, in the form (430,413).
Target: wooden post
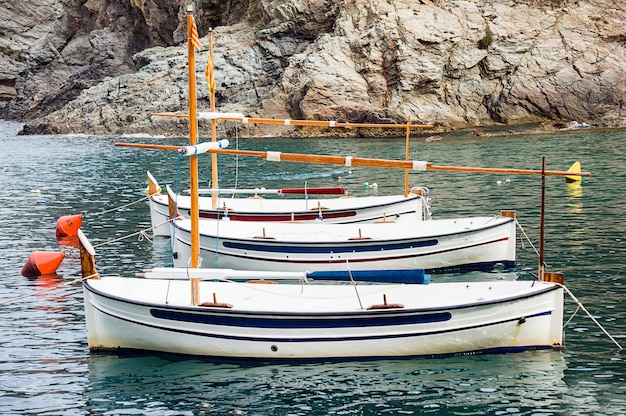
(509,213)
(153,186)
(540,270)
(172,208)
(87,257)
(553,277)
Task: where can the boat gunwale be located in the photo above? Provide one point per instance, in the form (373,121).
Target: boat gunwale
(410,198)
(363,313)
(504,221)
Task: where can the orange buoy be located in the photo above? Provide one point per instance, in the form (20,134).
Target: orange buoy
(70,241)
(68,225)
(42,262)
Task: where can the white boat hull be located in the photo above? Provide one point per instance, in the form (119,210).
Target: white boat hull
(475,243)
(299,322)
(331,210)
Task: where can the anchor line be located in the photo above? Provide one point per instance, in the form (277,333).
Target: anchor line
(581,306)
(94,214)
(527,238)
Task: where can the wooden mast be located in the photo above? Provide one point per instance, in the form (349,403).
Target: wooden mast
(211,81)
(193,159)
(406,157)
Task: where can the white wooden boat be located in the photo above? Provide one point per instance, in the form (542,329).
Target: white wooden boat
(309,208)
(304,321)
(298,322)
(473,243)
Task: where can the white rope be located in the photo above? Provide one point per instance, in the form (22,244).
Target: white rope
(581,306)
(572,317)
(525,235)
(115,209)
(354,284)
(141,233)
(528,239)
(144,235)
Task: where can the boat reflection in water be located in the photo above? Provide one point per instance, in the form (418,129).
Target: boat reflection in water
(495,384)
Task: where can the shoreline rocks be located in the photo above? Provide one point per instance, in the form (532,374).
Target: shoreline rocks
(457,64)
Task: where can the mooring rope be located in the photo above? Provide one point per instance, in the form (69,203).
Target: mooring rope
(142,233)
(94,214)
(581,306)
(354,284)
(48,289)
(579,303)
(519,225)
(528,239)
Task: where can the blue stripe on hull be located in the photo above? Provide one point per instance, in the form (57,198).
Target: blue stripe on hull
(484,266)
(388,256)
(325,248)
(303,321)
(417,276)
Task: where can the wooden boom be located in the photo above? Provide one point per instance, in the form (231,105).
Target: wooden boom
(290,122)
(360,161)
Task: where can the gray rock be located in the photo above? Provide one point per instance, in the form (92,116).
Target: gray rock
(105,67)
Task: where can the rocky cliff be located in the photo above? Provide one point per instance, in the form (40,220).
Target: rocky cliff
(102,66)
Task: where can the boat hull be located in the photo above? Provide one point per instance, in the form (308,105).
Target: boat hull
(301,322)
(477,243)
(331,210)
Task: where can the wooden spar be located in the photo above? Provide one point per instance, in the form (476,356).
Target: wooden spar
(332,190)
(364,162)
(149,146)
(175,115)
(501,170)
(406,156)
(193,159)
(383,163)
(540,270)
(214,167)
(307,123)
(321,123)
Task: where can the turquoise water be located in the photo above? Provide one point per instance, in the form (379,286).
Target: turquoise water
(46,368)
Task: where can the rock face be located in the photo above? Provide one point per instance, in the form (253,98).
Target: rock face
(62,47)
(103,66)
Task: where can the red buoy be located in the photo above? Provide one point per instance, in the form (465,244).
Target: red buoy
(68,225)
(42,262)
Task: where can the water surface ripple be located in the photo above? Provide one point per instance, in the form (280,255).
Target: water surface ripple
(46,368)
